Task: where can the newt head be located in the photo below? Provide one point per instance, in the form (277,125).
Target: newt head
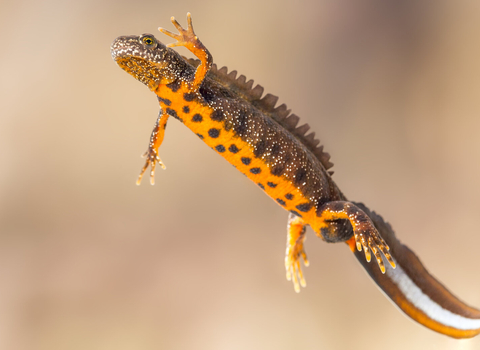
(144,57)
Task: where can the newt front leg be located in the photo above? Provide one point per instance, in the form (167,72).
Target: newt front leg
(187,38)
(156,140)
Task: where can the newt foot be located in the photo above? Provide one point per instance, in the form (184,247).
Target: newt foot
(294,253)
(152,159)
(185,37)
(370,239)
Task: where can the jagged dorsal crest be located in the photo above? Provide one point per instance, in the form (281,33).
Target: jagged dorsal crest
(266,104)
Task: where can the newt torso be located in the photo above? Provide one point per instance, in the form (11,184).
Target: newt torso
(241,128)
(264,143)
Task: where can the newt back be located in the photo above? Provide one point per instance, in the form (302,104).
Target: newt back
(266,104)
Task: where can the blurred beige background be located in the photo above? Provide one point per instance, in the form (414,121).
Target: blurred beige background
(88,260)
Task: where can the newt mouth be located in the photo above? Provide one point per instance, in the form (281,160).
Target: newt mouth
(140,60)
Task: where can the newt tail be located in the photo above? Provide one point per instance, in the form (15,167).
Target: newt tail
(416,292)
(264,142)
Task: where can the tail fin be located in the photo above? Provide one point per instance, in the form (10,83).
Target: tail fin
(417,293)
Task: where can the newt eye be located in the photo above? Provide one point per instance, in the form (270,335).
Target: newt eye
(149,41)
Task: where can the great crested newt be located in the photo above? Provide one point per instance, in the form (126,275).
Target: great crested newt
(263,142)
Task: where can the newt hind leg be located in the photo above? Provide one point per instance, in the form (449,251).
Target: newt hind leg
(295,251)
(365,235)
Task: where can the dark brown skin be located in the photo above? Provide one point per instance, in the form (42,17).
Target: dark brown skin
(265,144)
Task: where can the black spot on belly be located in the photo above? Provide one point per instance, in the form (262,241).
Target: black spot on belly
(220,148)
(188,96)
(289,196)
(166,101)
(186,109)
(174,114)
(271,184)
(246,160)
(197,118)
(213,133)
(233,149)
(300,176)
(255,170)
(174,86)
(260,148)
(217,115)
(281,201)
(304,207)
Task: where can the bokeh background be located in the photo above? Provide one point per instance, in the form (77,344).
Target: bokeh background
(88,260)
